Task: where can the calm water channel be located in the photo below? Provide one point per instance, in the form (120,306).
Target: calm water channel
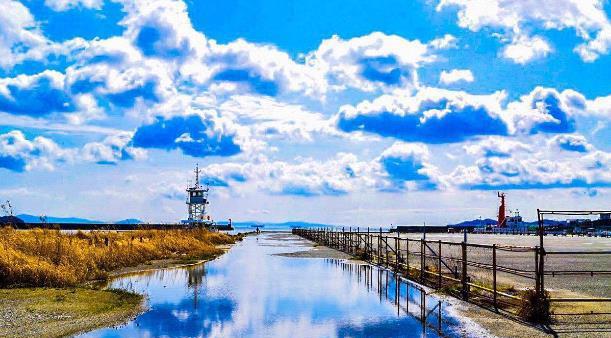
(251,292)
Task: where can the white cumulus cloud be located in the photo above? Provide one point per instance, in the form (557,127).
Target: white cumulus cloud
(525,49)
(516,18)
(456,75)
(64,5)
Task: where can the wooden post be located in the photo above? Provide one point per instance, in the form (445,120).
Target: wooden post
(494,277)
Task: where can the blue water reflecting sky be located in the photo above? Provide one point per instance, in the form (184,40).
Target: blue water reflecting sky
(250,292)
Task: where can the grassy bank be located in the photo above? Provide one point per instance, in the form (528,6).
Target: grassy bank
(54,259)
(42,273)
(49,312)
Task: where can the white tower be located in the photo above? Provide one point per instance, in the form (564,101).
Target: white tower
(197,199)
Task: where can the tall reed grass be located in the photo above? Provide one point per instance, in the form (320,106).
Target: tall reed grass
(55,259)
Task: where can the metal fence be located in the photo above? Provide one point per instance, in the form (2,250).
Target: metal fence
(495,276)
(576,271)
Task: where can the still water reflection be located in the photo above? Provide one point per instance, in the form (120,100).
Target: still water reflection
(250,292)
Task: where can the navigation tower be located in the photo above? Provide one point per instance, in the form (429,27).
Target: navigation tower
(197,199)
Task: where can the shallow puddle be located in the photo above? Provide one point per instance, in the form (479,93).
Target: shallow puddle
(251,292)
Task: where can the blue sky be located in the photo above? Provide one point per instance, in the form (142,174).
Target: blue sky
(370,113)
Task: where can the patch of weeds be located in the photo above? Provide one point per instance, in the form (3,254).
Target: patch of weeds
(535,308)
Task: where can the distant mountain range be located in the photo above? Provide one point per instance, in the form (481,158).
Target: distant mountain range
(130,221)
(50,219)
(475,222)
(266,225)
(284,225)
(489,221)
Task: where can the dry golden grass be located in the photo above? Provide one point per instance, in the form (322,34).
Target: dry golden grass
(52,258)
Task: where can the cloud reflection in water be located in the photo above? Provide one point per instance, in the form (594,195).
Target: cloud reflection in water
(249,292)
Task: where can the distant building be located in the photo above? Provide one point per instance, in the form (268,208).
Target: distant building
(515,222)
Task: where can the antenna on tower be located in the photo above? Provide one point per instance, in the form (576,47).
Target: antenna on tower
(197,171)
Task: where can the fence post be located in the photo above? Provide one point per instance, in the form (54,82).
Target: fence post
(541,254)
(368,245)
(350,240)
(386,250)
(397,245)
(422,260)
(380,246)
(407,255)
(439,265)
(537,272)
(494,276)
(358,238)
(463,279)
(335,239)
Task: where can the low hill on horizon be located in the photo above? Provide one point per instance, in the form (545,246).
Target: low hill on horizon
(266,225)
(51,219)
(490,221)
(130,221)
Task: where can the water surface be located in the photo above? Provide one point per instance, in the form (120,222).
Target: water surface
(251,292)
